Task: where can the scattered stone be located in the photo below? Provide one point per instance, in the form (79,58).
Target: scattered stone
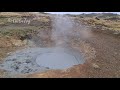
(25,37)
(28,61)
(97,18)
(9,53)
(15,67)
(17,42)
(8,60)
(116,33)
(95,66)
(26,70)
(47,68)
(14,59)
(25,42)
(18,62)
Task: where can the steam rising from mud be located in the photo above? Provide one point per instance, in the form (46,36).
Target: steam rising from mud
(65,30)
(62,26)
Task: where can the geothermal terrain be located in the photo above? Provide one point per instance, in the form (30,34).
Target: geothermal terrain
(40,45)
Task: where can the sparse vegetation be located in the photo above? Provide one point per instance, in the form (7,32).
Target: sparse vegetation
(106,21)
(15,32)
(12,34)
(95,46)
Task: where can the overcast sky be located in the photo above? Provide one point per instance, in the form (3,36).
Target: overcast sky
(79,12)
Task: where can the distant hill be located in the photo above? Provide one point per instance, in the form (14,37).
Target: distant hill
(102,15)
(99,15)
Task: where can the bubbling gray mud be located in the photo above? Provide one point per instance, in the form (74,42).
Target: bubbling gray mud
(41,59)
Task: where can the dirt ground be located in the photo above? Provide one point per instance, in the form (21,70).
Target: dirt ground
(105,64)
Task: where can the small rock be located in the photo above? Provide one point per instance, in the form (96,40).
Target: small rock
(14,59)
(15,67)
(17,42)
(9,53)
(25,42)
(95,66)
(97,18)
(26,70)
(18,62)
(28,61)
(116,33)
(47,68)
